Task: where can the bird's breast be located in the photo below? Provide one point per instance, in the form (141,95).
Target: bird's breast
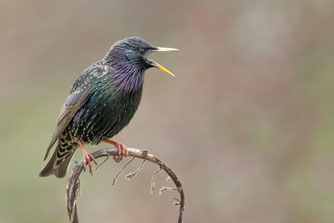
(105,114)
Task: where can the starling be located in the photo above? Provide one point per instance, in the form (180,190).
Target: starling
(101,103)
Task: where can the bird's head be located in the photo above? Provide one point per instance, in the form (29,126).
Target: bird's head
(131,54)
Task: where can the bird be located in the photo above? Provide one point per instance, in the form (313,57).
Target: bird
(102,101)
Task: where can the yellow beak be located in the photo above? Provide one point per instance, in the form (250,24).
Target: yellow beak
(155,64)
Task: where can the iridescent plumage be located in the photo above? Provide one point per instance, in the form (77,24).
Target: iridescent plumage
(102,101)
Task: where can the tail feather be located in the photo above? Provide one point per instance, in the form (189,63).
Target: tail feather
(57,170)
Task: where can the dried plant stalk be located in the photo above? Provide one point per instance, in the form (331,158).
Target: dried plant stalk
(73,185)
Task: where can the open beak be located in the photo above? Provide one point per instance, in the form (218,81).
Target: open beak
(155,64)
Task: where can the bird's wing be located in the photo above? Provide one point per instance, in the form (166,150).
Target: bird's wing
(72,104)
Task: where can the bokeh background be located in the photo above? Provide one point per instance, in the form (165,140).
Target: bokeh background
(247,124)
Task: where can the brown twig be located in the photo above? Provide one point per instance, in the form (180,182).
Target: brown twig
(73,185)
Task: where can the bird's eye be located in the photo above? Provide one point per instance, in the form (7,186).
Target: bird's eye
(141,50)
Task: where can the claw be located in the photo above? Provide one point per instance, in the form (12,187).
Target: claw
(87,157)
(121,150)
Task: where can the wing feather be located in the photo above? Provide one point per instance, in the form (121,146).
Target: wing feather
(72,104)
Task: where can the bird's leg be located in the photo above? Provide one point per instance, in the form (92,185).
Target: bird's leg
(121,149)
(87,156)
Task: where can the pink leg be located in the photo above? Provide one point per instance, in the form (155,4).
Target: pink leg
(87,157)
(121,148)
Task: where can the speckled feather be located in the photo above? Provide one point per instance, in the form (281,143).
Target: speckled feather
(101,103)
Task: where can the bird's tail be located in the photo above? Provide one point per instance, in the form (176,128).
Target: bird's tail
(58,163)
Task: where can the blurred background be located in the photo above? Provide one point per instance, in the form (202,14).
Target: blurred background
(247,124)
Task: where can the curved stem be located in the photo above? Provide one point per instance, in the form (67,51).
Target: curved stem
(73,184)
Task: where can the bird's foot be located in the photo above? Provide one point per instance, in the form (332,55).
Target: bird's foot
(87,157)
(121,150)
